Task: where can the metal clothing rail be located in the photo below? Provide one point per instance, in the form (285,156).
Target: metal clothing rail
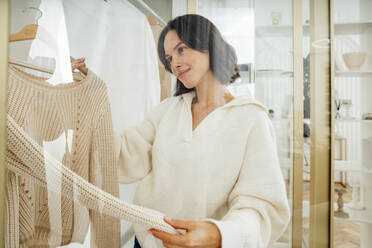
(144,8)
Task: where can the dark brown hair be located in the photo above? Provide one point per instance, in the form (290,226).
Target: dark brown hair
(200,34)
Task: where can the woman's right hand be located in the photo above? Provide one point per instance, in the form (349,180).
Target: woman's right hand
(79,64)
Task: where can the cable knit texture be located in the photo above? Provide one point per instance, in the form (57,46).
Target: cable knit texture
(80,113)
(226,171)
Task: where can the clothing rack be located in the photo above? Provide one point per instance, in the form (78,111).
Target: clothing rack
(144,8)
(33,67)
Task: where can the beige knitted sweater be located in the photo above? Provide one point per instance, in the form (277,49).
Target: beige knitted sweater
(40,218)
(26,158)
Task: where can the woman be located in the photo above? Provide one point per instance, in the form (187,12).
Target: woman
(204,158)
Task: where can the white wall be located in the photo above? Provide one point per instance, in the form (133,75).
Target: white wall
(179,7)
(162,7)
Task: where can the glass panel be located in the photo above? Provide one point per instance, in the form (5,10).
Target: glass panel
(263,40)
(353,124)
(274,83)
(307,127)
(235,20)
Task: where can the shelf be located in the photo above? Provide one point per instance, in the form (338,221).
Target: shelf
(284,73)
(351,166)
(353,73)
(272,73)
(342,28)
(355,120)
(345,28)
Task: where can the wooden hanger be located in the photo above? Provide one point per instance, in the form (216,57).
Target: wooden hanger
(27,33)
(151,21)
(33,67)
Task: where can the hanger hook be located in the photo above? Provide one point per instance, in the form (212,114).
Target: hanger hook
(38,10)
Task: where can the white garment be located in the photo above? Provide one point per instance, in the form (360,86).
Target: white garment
(51,40)
(118,44)
(225,171)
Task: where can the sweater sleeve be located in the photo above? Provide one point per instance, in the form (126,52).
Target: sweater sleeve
(105,230)
(133,148)
(258,209)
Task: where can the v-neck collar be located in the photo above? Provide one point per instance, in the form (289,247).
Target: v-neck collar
(188,97)
(239,100)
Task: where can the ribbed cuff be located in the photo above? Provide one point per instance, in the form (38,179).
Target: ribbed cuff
(239,230)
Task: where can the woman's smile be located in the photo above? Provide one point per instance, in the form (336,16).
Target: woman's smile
(183,73)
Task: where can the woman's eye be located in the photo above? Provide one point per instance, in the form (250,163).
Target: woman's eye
(181,49)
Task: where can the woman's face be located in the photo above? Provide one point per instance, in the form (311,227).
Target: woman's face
(190,66)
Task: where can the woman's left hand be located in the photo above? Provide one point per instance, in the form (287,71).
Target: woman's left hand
(198,234)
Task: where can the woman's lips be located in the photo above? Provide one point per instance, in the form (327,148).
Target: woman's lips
(183,73)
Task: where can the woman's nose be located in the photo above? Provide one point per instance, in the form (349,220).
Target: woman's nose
(176,65)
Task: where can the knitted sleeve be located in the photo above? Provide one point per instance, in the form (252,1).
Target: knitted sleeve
(134,146)
(258,208)
(25,157)
(105,230)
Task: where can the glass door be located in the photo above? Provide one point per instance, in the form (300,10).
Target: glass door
(293,78)
(353,124)
(275,77)
(267,35)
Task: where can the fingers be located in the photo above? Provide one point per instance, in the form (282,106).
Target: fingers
(73,60)
(180,224)
(80,60)
(79,64)
(170,239)
(166,245)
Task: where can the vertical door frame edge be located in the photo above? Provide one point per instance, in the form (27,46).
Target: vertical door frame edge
(321,124)
(4,36)
(298,127)
(332,96)
(192,6)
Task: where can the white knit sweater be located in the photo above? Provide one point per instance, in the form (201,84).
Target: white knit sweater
(225,171)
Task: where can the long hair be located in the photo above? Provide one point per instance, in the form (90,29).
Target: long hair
(202,35)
